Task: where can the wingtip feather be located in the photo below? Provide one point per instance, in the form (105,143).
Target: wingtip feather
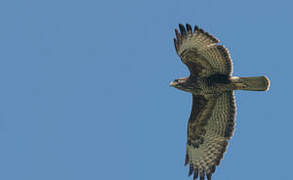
(182,29)
(190,170)
(195,174)
(175,44)
(189,28)
(202,175)
(186,159)
(209,176)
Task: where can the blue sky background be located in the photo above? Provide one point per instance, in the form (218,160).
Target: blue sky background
(85,88)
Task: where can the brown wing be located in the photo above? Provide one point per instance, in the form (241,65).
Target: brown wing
(210,126)
(200,52)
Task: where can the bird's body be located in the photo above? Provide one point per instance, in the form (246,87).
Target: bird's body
(207,85)
(211,83)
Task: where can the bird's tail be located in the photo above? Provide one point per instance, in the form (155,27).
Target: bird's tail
(259,83)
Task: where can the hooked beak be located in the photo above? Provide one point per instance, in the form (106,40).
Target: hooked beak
(172,83)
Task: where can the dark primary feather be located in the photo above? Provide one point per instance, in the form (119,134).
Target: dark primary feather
(209,176)
(189,28)
(195,175)
(182,30)
(202,175)
(190,170)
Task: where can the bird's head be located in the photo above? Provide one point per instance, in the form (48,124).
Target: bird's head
(181,83)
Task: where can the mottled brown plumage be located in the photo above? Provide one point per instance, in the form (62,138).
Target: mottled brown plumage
(212,117)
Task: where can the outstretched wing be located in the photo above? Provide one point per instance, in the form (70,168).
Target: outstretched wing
(210,125)
(200,52)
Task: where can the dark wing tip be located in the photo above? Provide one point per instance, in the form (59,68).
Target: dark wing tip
(177,34)
(196,28)
(195,174)
(182,30)
(177,40)
(209,176)
(185,31)
(175,44)
(190,169)
(213,169)
(186,159)
(202,175)
(201,30)
(189,28)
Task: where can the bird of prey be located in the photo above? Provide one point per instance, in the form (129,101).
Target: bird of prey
(211,84)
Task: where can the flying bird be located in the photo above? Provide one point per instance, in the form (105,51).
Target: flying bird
(212,118)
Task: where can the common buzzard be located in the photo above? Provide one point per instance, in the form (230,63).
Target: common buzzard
(211,83)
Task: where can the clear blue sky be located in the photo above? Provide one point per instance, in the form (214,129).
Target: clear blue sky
(85,88)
